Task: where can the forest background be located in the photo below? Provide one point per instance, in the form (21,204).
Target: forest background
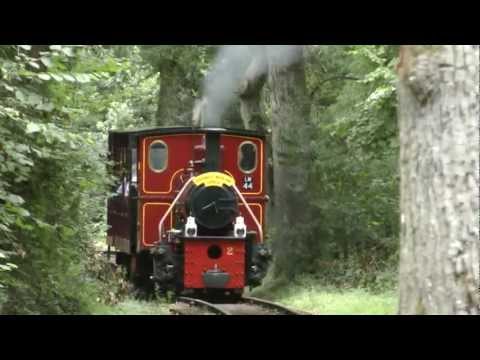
(57,104)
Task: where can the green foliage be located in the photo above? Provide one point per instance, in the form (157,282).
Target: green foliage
(353,181)
(193,61)
(56,105)
(180,71)
(111,283)
(354,173)
(58,102)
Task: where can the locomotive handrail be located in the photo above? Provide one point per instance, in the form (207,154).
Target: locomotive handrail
(160,225)
(259,227)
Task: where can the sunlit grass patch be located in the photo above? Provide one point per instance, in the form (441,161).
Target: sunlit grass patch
(314,298)
(335,302)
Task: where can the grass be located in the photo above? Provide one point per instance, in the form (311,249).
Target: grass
(334,302)
(306,293)
(314,298)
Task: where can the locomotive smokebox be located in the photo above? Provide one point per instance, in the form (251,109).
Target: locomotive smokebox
(213,207)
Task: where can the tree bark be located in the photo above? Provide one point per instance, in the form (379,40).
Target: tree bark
(252,114)
(172,109)
(251,90)
(290,140)
(439,168)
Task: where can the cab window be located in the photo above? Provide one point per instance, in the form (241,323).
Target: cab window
(158,156)
(247,157)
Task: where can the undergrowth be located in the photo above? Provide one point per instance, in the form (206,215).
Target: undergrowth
(338,287)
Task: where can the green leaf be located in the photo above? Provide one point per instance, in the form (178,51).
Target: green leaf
(55,47)
(68,51)
(82,78)
(15,199)
(5,229)
(44,76)
(25,47)
(32,128)
(56,77)
(8,87)
(20,95)
(34,99)
(46,107)
(28,98)
(69,77)
(34,64)
(46,61)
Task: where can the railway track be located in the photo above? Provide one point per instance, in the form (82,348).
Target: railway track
(243,306)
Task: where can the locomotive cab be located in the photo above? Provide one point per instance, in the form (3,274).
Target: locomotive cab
(189,208)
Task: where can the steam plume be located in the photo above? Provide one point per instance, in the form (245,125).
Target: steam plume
(227,72)
(222,81)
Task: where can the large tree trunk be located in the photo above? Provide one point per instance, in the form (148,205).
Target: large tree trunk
(253,117)
(439,166)
(172,109)
(290,140)
(251,90)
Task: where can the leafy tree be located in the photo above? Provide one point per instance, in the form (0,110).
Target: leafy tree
(180,69)
(353,175)
(57,104)
(332,115)
(290,109)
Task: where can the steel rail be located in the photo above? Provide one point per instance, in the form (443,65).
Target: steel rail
(203,304)
(270,305)
(267,307)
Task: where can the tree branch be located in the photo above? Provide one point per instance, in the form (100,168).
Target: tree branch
(338,77)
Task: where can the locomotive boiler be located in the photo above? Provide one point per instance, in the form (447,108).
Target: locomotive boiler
(188,213)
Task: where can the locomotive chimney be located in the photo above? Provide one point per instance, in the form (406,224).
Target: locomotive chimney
(205,115)
(212,156)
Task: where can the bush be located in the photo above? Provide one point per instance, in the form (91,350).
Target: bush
(54,102)
(110,280)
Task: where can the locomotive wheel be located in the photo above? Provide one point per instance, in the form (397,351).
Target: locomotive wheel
(140,271)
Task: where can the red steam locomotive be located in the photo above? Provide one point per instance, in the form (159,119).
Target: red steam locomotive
(188,214)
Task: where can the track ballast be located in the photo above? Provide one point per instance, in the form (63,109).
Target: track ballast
(243,306)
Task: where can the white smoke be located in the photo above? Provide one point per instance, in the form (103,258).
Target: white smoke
(229,68)
(223,80)
(283,55)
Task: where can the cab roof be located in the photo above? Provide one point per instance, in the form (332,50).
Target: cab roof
(188,130)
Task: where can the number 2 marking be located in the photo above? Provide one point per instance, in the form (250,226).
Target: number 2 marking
(230,251)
